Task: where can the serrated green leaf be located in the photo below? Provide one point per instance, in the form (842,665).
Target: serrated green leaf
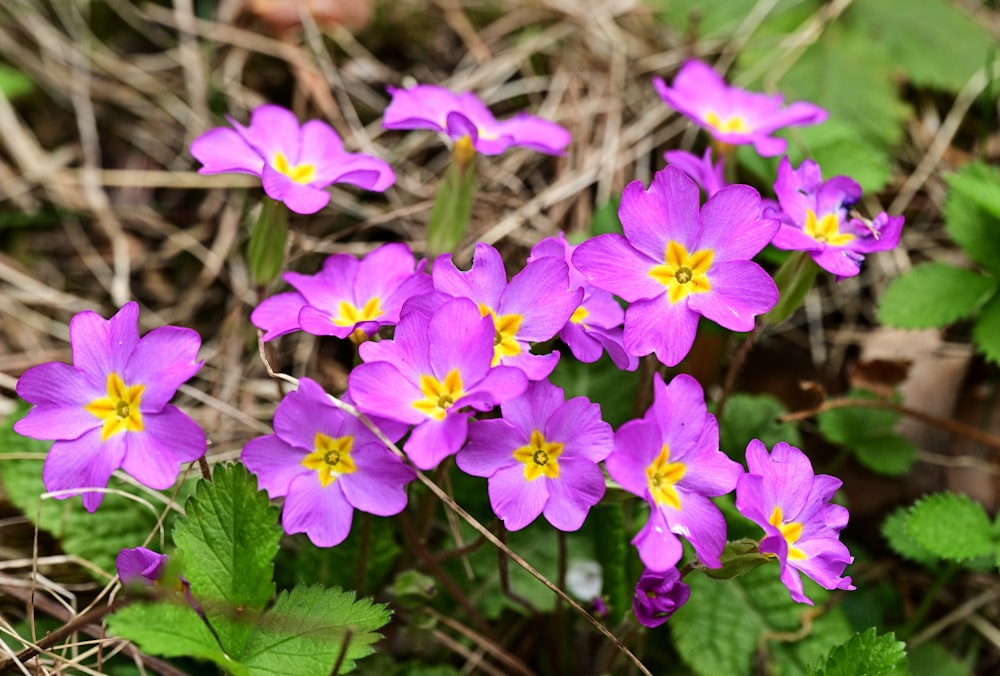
(168,628)
(718,632)
(895,529)
(754,416)
(304,633)
(227,543)
(868,434)
(974,227)
(986,332)
(951,526)
(933,295)
(865,653)
(98,537)
(916,34)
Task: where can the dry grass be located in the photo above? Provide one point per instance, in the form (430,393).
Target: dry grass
(97,162)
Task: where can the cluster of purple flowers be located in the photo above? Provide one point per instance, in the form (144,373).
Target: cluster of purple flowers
(464,342)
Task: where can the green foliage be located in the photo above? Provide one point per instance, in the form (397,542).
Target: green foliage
(972,214)
(868,434)
(794,279)
(227,542)
(360,562)
(605,219)
(930,659)
(452,208)
(896,530)
(932,295)
(951,526)
(719,631)
(986,332)
(607,524)
(754,416)
(14,83)
(602,382)
(266,251)
(917,34)
(119,522)
(866,653)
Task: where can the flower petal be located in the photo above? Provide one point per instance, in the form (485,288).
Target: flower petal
(155,455)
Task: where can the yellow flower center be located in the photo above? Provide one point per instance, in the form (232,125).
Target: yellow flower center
(790,531)
(439,396)
(348,314)
(120,409)
(826,229)
(662,475)
(579,314)
(731,125)
(504,342)
(683,273)
(300,173)
(540,457)
(331,458)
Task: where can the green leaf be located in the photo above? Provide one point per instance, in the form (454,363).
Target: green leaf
(970,216)
(917,34)
(719,631)
(794,279)
(227,543)
(738,558)
(304,633)
(932,659)
(266,252)
(14,83)
(607,525)
(933,295)
(986,332)
(865,653)
(868,434)
(602,382)
(951,526)
(119,522)
(754,416)
(896,531)
(168,628)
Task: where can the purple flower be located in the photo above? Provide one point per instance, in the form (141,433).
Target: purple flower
(658,595)
(110,409)
(348,297)
(532,308)
(671,458)
(326,464)
(295,162)
(464,116)
(732,115)
(815,217)
(709,177)
(140,566)
(596,325)
(435,366)
(781,494)
(541,457)
(677,263)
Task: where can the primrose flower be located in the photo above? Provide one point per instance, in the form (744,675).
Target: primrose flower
(326,464)
(467,120)
(140,566)
(677,263)
(658,595)
(434,367)
(541,457)
(348,297)
(671,458)
(295,162)
(110,409)
(733,115)
(802,528)
(533,307)
(709,177)
(596,325)
(815,217)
